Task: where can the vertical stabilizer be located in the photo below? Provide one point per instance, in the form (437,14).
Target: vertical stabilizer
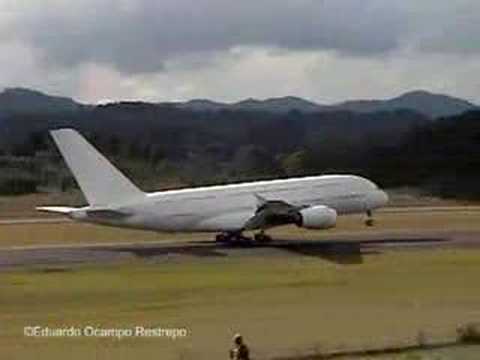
(101,183)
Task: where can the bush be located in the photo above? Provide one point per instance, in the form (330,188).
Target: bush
(18,186)
(469,333)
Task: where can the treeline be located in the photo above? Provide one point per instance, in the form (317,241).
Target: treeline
(443,158)
(161,146)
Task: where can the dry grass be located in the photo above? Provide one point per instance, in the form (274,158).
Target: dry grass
(23,206)
(283,305)
(70,233)
(457,353)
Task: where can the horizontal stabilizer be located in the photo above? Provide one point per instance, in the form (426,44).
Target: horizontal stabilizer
(56,209)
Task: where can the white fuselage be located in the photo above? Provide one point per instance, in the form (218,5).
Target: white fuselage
(228,207)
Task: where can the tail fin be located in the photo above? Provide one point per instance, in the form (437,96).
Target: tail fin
(101,183)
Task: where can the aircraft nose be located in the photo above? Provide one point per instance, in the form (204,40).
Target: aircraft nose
(378,199)
(384,198)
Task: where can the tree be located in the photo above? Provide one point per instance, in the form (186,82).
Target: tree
(296,163)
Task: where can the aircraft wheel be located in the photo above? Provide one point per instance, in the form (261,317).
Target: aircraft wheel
(232,239)
(369,221)
(221,238)
(262,238)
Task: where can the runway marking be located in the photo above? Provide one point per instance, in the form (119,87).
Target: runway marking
(92,246)
(421,209)
(33,221)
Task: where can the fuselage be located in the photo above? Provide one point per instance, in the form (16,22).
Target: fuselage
(228,207)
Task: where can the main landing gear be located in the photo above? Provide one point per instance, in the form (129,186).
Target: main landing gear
(236,238)
(230,237)
(261,237)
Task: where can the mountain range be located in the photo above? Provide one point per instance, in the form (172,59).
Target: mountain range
(430,104)
(26,101)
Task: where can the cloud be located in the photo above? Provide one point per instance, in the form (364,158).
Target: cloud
(140,35)
(326,50)
(446,27)
(321,76)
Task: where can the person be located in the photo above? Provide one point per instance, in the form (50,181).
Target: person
(240,349)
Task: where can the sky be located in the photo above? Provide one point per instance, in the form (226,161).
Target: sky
(227,50)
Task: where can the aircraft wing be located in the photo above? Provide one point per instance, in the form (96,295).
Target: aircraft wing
(107,213)
(272,213)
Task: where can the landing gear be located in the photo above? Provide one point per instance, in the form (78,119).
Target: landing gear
(369,221)
(263,238)
(236,238)
(232,238)
(221,238)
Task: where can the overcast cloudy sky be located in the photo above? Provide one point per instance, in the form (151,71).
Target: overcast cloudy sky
(157,50)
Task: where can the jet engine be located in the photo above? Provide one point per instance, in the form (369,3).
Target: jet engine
(317,217)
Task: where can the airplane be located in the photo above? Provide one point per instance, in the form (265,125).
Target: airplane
(312,202)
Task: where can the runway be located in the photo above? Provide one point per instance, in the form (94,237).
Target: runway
(343,249)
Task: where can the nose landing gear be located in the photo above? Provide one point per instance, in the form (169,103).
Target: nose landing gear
(369,221)
(261,237)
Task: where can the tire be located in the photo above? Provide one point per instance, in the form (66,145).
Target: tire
(262,238)
(221,238)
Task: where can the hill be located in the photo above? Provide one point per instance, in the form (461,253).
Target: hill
(278,105)
(433,105)
(26,101)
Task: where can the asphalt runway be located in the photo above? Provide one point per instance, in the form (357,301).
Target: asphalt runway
(343,249)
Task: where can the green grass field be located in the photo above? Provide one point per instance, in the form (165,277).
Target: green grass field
(283,305)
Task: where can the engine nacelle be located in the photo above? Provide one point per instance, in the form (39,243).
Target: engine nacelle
(317,217)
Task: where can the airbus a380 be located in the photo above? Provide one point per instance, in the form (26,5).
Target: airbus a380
(229,210)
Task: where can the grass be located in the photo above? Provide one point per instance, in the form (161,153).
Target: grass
(23,206)
(282,305)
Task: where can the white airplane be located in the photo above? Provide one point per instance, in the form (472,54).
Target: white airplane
(309,202)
